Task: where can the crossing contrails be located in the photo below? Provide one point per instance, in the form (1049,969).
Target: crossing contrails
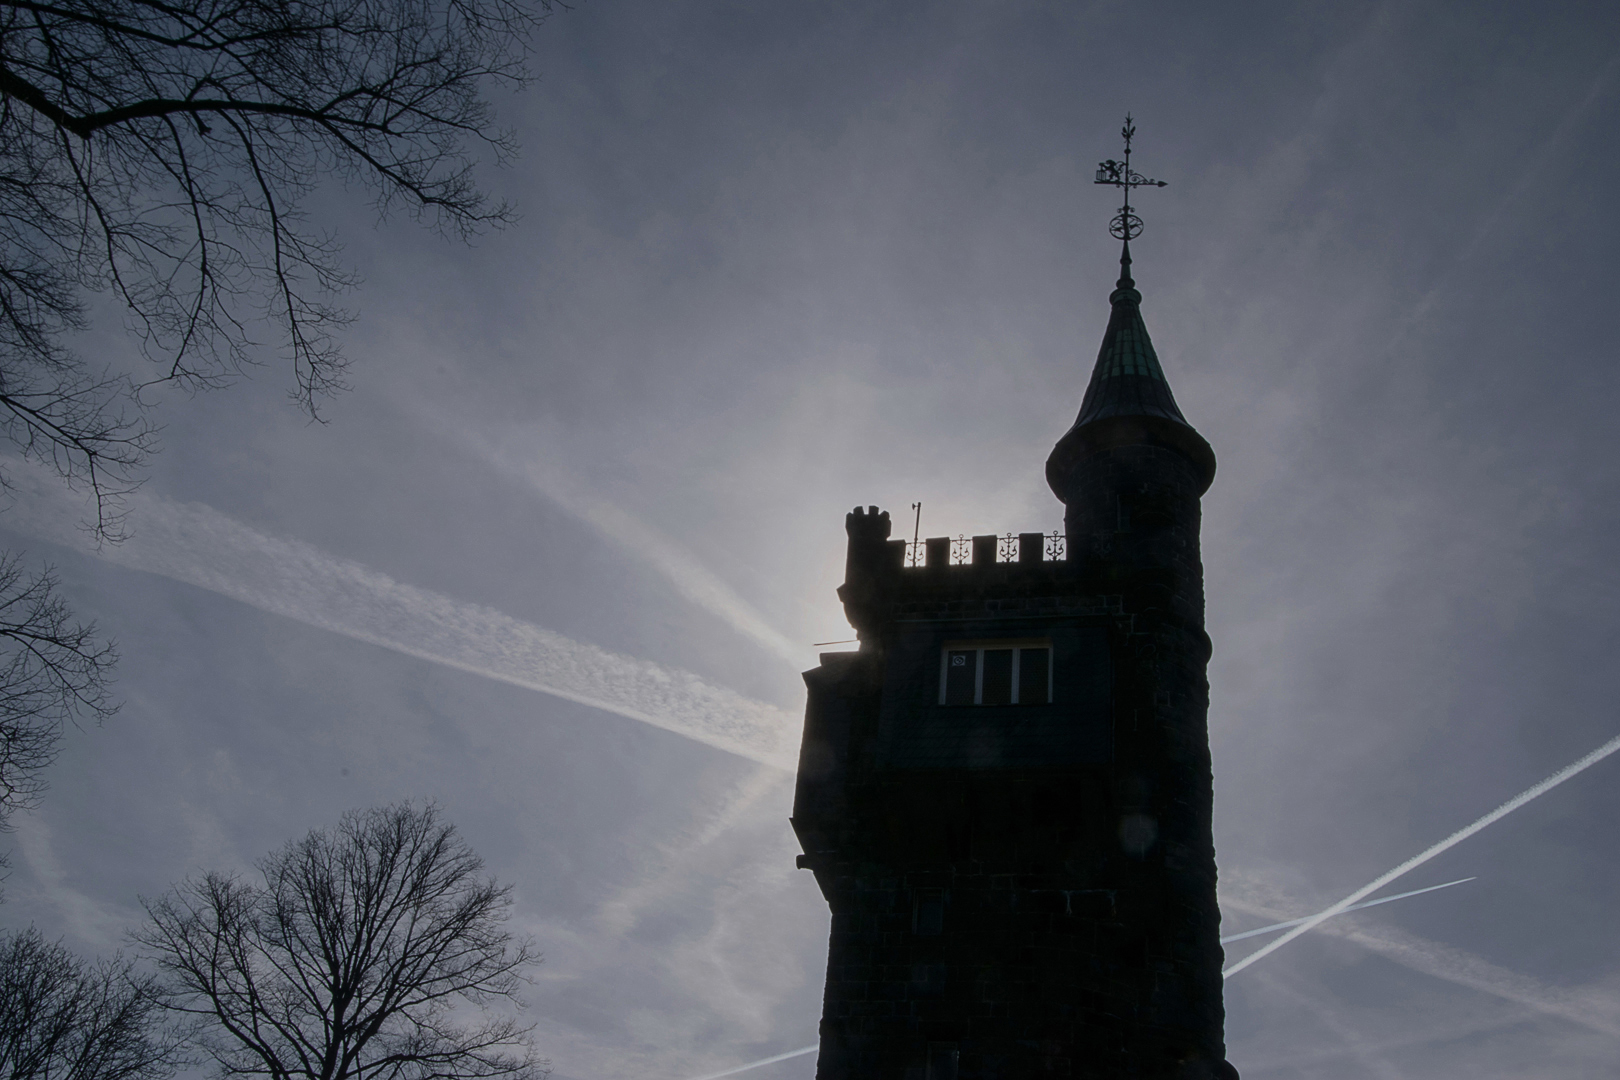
(1528,795)
(1274,927)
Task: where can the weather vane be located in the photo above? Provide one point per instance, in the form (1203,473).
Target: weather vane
(1126,225)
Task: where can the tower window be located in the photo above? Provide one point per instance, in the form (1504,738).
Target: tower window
(1035,676)
(928,912)
(996,673)
(961,677)
(995,677)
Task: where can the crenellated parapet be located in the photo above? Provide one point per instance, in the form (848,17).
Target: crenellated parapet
(1018,574)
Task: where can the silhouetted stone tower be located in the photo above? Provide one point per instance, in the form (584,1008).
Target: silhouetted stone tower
(1005,794)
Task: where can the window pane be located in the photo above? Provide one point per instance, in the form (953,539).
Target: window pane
(959,677)
(1032,668)
(930,913)
(997,677)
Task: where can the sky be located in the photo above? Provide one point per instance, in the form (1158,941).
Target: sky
(557,559)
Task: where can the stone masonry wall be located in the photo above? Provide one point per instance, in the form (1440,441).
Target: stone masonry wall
(1013,923)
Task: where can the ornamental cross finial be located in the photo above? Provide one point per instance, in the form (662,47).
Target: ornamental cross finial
(1126,225)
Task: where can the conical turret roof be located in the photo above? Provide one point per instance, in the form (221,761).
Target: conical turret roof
(1128,398)
(1127,380)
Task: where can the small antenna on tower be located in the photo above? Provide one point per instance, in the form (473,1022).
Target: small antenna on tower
(1126,225)
(916,532)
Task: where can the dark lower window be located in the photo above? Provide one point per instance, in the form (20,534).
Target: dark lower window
(1034,676)
(928,916)
(995,681)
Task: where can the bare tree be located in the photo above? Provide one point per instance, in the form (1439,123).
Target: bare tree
(155,152)
(52,670)
(63,1019)
(375,949)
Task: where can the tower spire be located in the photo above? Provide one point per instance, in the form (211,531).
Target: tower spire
(1128,397)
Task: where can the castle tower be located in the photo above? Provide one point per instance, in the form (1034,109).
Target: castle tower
(1005,793)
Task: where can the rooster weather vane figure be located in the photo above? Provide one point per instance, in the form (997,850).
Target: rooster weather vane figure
(1126,225)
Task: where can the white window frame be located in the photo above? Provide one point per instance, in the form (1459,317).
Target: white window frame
(1017,645)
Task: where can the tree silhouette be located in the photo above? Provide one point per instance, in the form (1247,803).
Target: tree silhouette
(158,151)
(63,1019)
(155,152)
(52,670)
(356,957)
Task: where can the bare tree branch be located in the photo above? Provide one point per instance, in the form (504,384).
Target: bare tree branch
(63,1019)
(52,671)
(373,950)
(158,152)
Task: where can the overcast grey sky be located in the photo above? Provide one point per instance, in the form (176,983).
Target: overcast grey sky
(558,558)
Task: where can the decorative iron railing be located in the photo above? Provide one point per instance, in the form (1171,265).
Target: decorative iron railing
(958,549)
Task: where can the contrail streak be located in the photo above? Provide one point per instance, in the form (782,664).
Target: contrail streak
(1353,907)
(1595,1008)
(689,577)
(763,1061)
(1419,859)
(198,545)
(1534,172)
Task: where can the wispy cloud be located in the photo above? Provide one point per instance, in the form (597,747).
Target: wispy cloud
(1430,1033)
(1596,1010)
(1356,1043)
(1526,796)
(198,545)
(1591,1008)
(690,578)
(620,912)
(1534,173)
(91,921)
(709,919)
